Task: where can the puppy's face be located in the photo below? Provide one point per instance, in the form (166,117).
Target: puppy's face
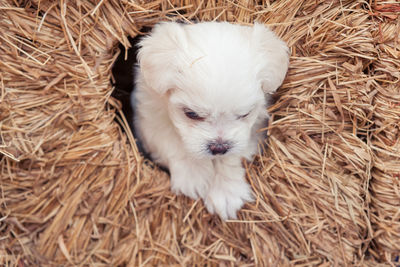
(215,118)
(213,78)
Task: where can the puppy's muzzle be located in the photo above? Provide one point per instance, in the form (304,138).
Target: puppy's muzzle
(218,147)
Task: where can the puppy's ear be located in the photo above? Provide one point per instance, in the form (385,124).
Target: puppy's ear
(158,55)
(273,58)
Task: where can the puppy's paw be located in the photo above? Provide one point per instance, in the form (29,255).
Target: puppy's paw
(187,186)
(227,198)
(191,180)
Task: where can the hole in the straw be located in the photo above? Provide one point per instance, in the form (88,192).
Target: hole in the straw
(124,75)
(123,78)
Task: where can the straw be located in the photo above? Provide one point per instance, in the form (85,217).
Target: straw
(75,191)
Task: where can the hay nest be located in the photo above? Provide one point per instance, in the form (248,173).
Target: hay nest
(385,141)
(75,190)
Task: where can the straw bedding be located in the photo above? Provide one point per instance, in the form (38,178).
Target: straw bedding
(75,190)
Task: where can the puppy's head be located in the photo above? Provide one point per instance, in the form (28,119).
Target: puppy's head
(214,78)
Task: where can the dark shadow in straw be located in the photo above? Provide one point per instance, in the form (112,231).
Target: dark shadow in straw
(124,74)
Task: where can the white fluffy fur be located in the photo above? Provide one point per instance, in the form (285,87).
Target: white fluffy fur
(222,72)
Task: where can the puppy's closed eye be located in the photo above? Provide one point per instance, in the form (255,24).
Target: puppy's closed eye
(243,116)
(192,115)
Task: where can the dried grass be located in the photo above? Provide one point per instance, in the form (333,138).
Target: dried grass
(75,190)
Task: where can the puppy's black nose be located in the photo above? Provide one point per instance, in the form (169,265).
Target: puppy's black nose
(218,147)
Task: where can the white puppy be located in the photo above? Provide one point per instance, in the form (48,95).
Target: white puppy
(199,99)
